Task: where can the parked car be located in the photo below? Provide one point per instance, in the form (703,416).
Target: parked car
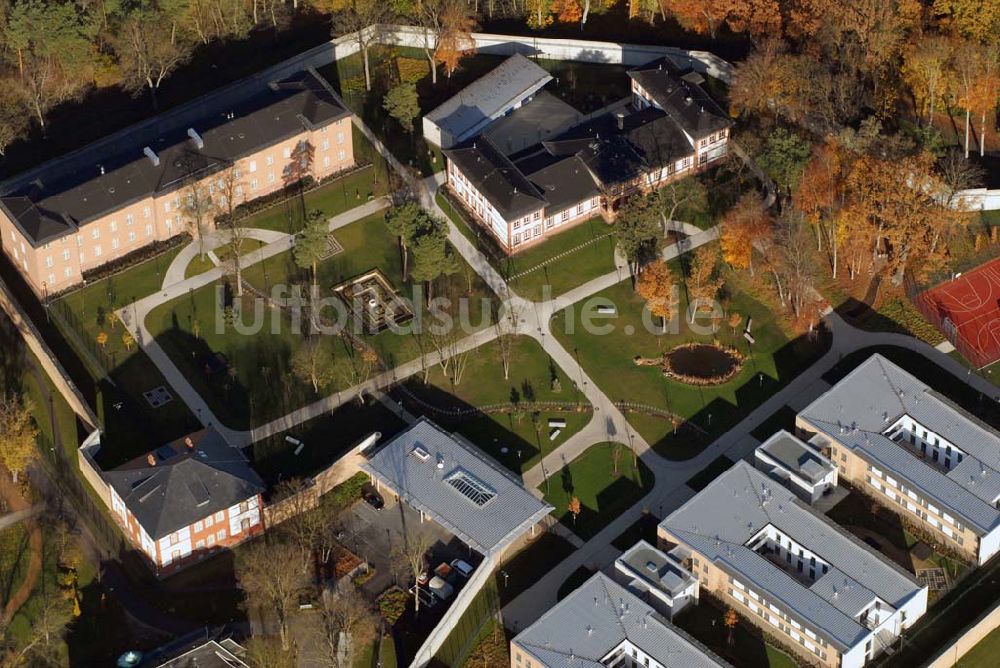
(441,588)
(427,597)
(372,497)
(462,568)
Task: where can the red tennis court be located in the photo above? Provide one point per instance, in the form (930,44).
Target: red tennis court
(967,310)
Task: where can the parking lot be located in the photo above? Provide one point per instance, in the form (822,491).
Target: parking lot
(378,535)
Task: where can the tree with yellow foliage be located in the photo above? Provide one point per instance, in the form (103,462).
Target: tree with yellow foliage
(102,339)
(742,226)
(17,433)
(703,284)
(656,286)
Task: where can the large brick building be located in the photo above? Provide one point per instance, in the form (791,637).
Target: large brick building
(99,204)
(186,500)
(525,181)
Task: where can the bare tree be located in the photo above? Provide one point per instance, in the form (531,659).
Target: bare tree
(345,622)
(149,48)
(230,187)
(268,585)
(505,322)
(199,209)
(303,523)
(364,19)
(413,552)
(957,174)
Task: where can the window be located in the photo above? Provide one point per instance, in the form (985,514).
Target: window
(340,137)
(114,244)
(146,212)
(198,526)
(173,538)
(252,167)
(579,209)
(253,185)
(67,272)
(65,255)
(211,539)
(341,156)
(270,160)
(209,521)
(149,230)
(166,207)
(221,535)
(114,225)
(95,233)
(326,161)
(97,251)
(565,216)
(200,545)
(471,487)
(517,224)
(287,153)
(48,261)
(517,239)
(52,278)
(270,177)
(131,237)
(326,144)
(537,216)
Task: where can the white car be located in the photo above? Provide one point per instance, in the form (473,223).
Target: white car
(462,568)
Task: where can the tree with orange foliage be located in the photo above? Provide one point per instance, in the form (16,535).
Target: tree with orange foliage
(574,508)
(700,16)
(656,286)
(455,41)
(975,19)
(567,11)
(702,282)
(758,18)
(742,226)
(730,620)
(820,195)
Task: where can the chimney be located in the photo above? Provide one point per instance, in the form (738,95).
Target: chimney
(198,141)
(151,154)
(151,459)
(101,168)
(621,120)
(188,443)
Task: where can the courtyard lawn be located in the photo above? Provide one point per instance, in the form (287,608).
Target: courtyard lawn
(748,649)
(589,252)
(258,384)
(326,439)
(533,377)
(708,411)
(605,490)
(198,265)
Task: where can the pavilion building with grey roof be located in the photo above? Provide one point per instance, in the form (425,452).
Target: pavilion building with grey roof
(450,482)
(797,464)
(899,441)
(604,624)
(754,544)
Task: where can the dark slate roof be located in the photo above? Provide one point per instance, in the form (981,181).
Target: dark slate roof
(496,177)
(617,150)
(187,482)
(72,191)
(679,93)
(860,409)
(564,183)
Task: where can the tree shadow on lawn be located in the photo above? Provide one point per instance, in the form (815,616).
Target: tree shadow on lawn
(719,415)
(486,433)
(861,315)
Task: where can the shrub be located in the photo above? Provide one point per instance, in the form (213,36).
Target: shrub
(392,604)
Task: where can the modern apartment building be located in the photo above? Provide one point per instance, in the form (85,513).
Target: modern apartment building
(604,625)
(757,547)
(186,500)
(101,203)
(897,440)
(523,194)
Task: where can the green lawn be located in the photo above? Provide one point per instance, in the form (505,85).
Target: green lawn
(984,654)
(607,358)
(703,478)
(605,490)
(198,265)
(326,438)
(524,433)
(748,649)
(259,385)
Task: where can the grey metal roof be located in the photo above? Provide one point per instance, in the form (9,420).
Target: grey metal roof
(655,568)
(103,178)
(720,520)
(212,654)
(598,617)
(860,408)
(502,87)
(423,483)
(186,483)
(545,116)
(796,456)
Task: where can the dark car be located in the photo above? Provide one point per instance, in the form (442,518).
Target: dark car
(372,497)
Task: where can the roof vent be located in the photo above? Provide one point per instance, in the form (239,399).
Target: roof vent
(688,100)
(101,169)
(196,138)
(151,154)
(419,452)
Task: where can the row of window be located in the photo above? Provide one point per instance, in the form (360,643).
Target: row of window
(919,500)
(922,514)
(782,622)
